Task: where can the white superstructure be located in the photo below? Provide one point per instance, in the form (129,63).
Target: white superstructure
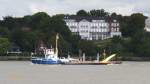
(93,28)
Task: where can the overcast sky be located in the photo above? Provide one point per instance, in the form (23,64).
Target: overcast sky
(28,7)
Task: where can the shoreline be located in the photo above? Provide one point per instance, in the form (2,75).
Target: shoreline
(27,58)
(15,58)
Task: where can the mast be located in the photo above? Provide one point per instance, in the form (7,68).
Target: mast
(56,48)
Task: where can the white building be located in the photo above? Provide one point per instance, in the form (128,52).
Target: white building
(93,28)
(147,24)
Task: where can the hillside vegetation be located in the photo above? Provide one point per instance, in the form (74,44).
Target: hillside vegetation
(30,31)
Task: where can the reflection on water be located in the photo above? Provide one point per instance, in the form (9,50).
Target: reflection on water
(16,72)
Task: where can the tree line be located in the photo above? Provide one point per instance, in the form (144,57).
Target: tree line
(29,31)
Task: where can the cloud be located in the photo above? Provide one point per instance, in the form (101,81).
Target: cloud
(143,6)
(125,10)
(26,7)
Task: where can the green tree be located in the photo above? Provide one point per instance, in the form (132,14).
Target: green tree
(99,13)
(114,15)
(4,32)
(8,21)
(75,44)
(82,13)
(25,40)
(40,20)
(140,44)
(4,45)
(27,21)
(133,24)
(88,47)
(116,45)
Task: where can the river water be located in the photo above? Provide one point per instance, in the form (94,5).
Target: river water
(24,72)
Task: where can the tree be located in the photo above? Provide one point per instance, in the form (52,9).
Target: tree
(59,26)
(40,20)
(8,21)
(133,24)
(114,15)
(4,32)
(4,45)
(75,44)
(99,13)
(140,44)
(116,45)
(82,13)
(27,21)
(27,31)
(88,47)
(25,40)
(59,16)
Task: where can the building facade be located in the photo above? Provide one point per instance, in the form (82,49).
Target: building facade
(147,24)
(93,28)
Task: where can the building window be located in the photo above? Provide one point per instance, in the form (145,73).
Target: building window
(84,26)
(94,27)
(114,20)
(73,27)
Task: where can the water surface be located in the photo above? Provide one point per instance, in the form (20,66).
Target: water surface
(18,72)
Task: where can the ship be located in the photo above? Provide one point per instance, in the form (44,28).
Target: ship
(50,56)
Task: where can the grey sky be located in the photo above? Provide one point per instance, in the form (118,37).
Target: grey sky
(27,7)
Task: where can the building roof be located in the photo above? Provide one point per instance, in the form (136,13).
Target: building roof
(88,18)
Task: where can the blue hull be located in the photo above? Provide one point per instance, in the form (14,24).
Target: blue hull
(45,61)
